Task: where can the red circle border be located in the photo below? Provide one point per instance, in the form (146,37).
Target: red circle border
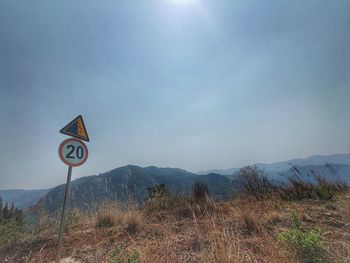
(64,160)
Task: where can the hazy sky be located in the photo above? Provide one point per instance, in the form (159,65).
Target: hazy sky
(196,84)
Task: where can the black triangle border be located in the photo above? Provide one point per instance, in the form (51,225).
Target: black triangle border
(75,135)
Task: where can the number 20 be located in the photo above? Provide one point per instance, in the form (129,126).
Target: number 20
(79,152)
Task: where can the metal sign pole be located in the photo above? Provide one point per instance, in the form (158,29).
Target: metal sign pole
(63,216)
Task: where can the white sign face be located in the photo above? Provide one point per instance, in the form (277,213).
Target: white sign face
(73,152)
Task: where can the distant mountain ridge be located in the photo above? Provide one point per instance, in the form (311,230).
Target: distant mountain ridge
(220,171)
(284,166)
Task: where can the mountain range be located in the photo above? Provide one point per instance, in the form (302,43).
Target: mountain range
(131,182)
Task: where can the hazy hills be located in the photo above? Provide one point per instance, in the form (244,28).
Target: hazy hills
(282,167)
(22,198)
(131,182)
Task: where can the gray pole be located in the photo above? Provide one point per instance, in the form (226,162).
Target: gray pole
(63,216)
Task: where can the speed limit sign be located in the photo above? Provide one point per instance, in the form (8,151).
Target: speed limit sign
(73,152)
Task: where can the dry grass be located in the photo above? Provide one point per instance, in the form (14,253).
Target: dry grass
(272,218)
(180,206)
(323,188)
(251,224)
(253,183)
(245,231)
(110,215)
(223,245)
(227,243)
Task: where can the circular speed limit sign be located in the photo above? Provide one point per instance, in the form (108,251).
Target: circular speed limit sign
(73,152)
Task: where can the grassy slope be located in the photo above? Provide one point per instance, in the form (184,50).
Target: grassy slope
(238,231)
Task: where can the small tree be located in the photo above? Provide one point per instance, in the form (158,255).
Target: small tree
(18,215)
(200,191)
(11,211)
(1,209)
(6,212)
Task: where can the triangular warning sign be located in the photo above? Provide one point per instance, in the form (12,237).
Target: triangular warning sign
(76,128)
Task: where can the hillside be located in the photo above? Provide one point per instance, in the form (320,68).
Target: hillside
(131,183)
(244,230)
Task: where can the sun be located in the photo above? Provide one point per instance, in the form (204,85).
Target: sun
(182,2)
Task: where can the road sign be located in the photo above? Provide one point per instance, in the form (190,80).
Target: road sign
(76,128)
(73,152)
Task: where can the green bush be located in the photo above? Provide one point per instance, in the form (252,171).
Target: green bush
(295,220)
(324,193)
(120,255)
(308,244)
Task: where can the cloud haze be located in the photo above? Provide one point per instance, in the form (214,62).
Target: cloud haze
(212,84)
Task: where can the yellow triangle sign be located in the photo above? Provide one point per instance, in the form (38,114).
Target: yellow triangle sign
(76,128)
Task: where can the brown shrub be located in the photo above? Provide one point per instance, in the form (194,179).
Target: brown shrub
(252,182)
(108,215)
(105,221)
(132,220)
(250,221)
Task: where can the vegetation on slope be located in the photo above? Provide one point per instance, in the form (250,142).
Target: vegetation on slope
(131,183)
